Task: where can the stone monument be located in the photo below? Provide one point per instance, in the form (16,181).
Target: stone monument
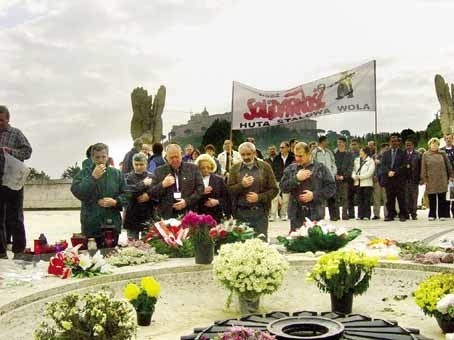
(147,114)
(446,98)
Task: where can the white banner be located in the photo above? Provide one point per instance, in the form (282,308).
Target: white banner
(348,91)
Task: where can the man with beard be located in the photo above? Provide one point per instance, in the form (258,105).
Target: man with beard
(252,187)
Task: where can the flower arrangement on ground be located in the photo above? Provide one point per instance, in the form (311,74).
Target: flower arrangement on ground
(231,231)
(137,252)
(86,317)
(143,298)
(199,226)
(69,263)
(318,236)
(243,333)
(383,248)
(435,296)
(169,238)
(249,269)
(343,274)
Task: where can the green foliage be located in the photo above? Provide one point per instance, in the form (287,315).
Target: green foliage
(434,129)
(218,132)
(88,317)
(316,240)
(34,175)
(71,171)
(415,248)
(186,250)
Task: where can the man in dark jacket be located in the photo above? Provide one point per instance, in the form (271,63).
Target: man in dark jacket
(310,184)
(100,188)
(393,170)
(344,165)
(413,165)
(127,160)
(283,160)
(177,185)
(252,187)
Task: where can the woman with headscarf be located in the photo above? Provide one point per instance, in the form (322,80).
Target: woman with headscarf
(214,199)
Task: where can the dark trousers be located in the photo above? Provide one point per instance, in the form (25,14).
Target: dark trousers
(332,208)
(395,190)
(443,206)
(342,198)
(364,201)
(300,217)
(256,218)
(12,219)
(411,197)
(351,199)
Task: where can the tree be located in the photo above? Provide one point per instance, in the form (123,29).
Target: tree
(434,129)
(345,133)
(71,171)
(34,175)
(218,132)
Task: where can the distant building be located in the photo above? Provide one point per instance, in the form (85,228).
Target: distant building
(200,122)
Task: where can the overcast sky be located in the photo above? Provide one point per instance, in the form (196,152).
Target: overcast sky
(68,67)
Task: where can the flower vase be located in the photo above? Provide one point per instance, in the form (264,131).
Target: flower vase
(144,318)
(447,326)
(204,253)
(249,304)
(343,304)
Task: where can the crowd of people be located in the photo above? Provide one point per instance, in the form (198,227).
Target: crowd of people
(298,181)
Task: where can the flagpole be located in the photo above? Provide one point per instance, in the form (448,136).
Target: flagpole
(375,83)
(231,125)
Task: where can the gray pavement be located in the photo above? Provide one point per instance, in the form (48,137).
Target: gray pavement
(61,224)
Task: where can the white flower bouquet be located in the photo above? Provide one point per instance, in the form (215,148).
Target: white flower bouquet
(250,268)
(318,236)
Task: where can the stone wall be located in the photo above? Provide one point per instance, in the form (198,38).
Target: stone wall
(51,194)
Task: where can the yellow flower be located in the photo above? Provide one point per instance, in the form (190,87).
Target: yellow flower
(151,286)
(131,291)
(67,325)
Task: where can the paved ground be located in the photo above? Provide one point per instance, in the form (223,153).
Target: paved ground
(58,225)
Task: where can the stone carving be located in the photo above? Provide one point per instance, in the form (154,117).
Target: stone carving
(147,114)
(446,99)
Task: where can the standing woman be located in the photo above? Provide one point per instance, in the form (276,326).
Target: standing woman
(363,172)
(214,198)
(436,171)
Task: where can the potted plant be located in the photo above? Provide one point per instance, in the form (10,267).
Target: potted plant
(343,275)
(435,296)
(249,269)
(318,236)
(86,317)
(199,227)
(143,298)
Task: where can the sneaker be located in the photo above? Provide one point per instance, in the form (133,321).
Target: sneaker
(431,218)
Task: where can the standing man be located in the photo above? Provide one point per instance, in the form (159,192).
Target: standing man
(354,149)
(177,185)
(379,193)
(228,157)
(252,187)
(310,184)
(344,165)
(13,142)
(393,171)
(283,160)
(413,165)
(449,149)
(325,156)
(100,189)
(258,152)
(127,160)
(272,153)
(188,150)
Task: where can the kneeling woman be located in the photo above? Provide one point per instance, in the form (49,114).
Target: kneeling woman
(214,199)
(363,172)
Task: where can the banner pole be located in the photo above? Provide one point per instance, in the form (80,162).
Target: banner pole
(231,130)
(375,85)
